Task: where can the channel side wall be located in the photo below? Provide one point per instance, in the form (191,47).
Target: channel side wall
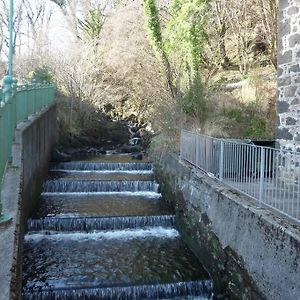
(22,184)
(251,253)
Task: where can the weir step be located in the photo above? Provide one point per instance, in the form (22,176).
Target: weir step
(94,166)
(189,290)
(103,231)
(102,175)
(88,224)
(96,186)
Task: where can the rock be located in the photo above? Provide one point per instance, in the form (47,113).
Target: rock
(137,156)
(142,132)
(135,141)
(58,156)
(130,149)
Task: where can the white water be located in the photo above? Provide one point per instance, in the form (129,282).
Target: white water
(133,172)
(153,195)
(127,234)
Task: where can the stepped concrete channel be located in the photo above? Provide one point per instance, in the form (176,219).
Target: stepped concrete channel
(102,231)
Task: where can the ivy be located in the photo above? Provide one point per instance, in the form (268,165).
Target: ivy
(185,32)
(153,27)
(181,43)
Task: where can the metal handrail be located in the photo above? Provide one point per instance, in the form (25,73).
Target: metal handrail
(270,176)
(16,104)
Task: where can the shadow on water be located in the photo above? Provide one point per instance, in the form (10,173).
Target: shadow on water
(109,236)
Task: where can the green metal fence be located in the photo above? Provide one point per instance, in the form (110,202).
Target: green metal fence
(15,106)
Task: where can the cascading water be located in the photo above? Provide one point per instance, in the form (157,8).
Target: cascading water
(88,224)
(94,166)
(154,291)
(93,186)
(85,243)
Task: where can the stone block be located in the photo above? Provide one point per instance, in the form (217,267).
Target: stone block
(294,40)
(292,10)
(295,68)
(285,57)
(284,81)
(285,28)
(283,5)
(290,121)
(290,91)
(284,134)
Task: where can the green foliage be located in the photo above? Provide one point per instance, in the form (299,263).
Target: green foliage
(236,114)
(41,74)
(185,32)
(193,102)
(153,27)
(92,25)
(253,125)
(180,46)
(256,128)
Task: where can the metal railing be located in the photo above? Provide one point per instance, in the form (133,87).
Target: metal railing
(270,176)
(17,104)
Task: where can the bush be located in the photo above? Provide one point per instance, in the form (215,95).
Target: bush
(41,74)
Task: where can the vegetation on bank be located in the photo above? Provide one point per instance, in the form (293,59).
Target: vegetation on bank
(208,65)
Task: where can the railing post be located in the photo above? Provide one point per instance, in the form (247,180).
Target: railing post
(261,178)
(180,146)
(197,150)
(34,84)
(14,106)
(221,161)
(7,82)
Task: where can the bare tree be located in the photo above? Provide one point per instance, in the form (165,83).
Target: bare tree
(38,15)
(269,18)
(4,25)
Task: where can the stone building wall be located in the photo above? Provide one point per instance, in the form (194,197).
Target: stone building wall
(288,101)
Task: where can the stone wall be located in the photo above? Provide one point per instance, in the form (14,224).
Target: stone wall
(22,184)
(288,102)
(251,253)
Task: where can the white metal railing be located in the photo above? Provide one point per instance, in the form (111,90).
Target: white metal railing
(270,176)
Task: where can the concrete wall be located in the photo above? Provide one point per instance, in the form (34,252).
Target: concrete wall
(22,184)
(288,102)
(251,253)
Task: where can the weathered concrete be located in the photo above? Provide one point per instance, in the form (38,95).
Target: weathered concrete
(251,253)
(21,187)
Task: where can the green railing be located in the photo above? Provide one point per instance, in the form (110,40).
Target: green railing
(16,105)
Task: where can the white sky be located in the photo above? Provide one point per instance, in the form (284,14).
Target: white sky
(59,36)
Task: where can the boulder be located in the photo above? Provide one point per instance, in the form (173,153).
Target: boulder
(137,156)
(58,156)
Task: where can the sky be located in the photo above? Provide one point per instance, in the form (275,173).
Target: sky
(59,36)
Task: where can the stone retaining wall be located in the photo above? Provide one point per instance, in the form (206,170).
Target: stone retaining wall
(21,186)
(251,253)
(288,101)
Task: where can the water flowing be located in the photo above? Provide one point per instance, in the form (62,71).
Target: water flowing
(94,166)
(103,231)
(92,186)
(154,291)
(88,224)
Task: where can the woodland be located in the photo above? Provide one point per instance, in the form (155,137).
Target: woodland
(204,65)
